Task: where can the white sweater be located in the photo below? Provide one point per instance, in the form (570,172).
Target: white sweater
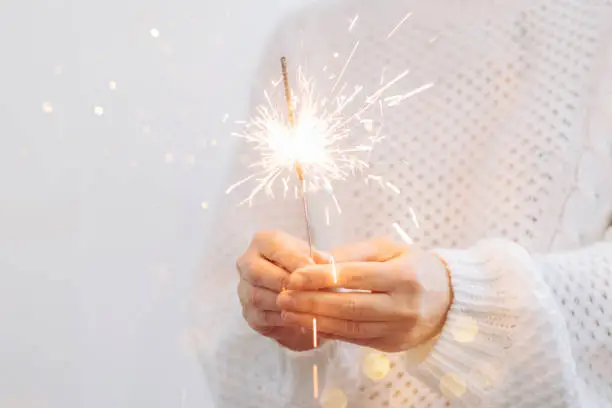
(507,163)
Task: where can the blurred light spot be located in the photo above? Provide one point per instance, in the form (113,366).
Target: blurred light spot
(47,107)
(98,111)
(452,386)
(376,366)
(154,32)
(204,205)
(112,85)
(169,157)
(190,159)
(213,142)
(183,398)
(58,70)
(486,376)
(146,129)
(225,117)
(333,398)
(466,330)
(336,55)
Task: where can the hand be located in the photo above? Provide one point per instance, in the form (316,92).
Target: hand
(264,271)
(408,300)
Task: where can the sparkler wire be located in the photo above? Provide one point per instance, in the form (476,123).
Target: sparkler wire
(304,198)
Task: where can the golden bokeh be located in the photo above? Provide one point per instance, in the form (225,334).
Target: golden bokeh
(486,376)
(376,366)
(47,107)
(452,386)
(466,331)
(333,398)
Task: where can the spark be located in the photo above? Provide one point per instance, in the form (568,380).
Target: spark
(397,99)
(414,218)
(315,381)
(399,25)
(316,137)
(382,75)
(315,371)
(346,64)
(393,187)
(405,237)
(183,398)
(332,261)
(353,22)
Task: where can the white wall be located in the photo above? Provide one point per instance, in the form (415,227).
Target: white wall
(101,218)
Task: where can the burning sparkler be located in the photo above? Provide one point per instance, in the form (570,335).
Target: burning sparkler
(315,140)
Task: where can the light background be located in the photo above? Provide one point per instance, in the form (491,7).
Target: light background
(112,146)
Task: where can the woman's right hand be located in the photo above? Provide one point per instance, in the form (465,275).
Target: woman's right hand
(264,270)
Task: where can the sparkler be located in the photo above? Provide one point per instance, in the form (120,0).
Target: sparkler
(314,141)
(304,198)
(297,164)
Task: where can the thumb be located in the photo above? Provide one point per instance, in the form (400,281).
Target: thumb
(321,257)
(374,250)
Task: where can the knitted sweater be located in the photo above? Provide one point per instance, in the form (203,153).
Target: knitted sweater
(506,162)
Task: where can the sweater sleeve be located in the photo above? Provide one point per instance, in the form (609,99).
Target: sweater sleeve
(524,330)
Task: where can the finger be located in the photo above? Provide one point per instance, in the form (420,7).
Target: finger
(348,329)
(263,319)
(256,297)
(348,306)
(374,276)
(374,250)
(283,249)
(262,273)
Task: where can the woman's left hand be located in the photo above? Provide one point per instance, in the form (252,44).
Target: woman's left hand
(408,296)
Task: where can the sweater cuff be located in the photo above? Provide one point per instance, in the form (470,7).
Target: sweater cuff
(468,358)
